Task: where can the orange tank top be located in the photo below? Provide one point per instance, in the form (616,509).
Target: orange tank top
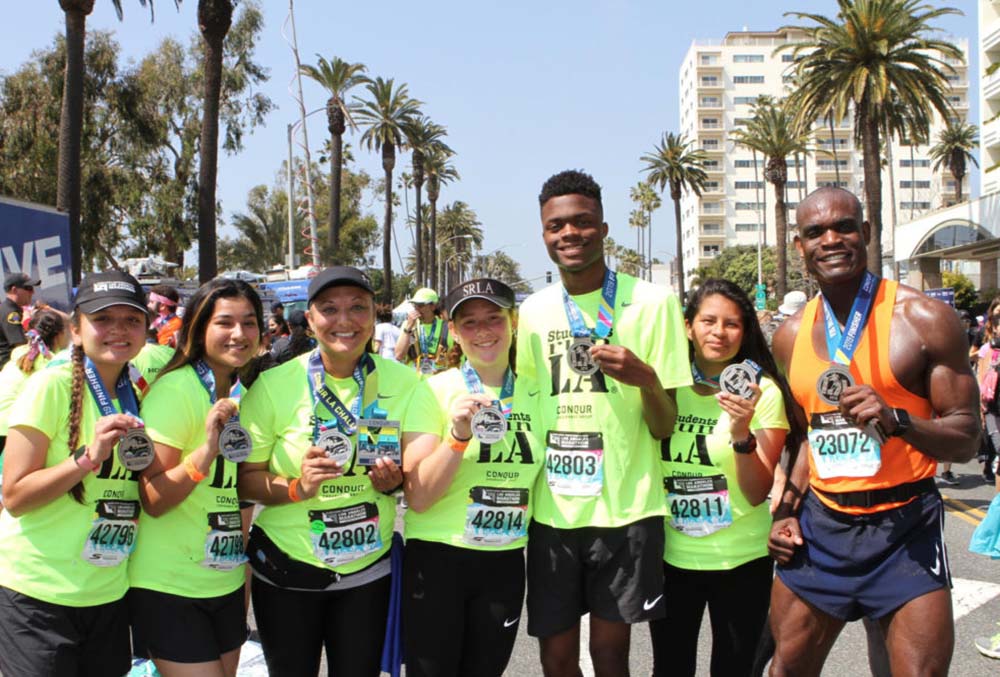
(901,462)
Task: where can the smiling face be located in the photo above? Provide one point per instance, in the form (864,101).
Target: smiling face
(831,236)
(573,229)
(232,335)
(485,332)
(111,336)
(343,319)
(716,332)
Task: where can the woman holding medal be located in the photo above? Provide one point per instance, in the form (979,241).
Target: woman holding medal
(325,430)
(71,502)
(469,462)
(187,574)
(718,467)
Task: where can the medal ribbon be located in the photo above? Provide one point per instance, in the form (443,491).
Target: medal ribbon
(475,385)
(841,344)
(427,340)
(605,310)
(346,418)
(699,377)
(207,378)
(123,389)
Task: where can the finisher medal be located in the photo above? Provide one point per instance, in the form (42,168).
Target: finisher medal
(135,450)
(234,442)
(336,444)
(579,358)
(489,425)
(832,382)
(736,379)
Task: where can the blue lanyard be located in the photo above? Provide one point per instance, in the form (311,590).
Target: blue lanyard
(207,379)
(475,385)
(840,345)
(123,389)
(699,377)
(605,312)
(346,418)
(425,340)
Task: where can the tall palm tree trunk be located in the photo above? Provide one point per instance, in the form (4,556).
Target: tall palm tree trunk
(873,184)
(432,243)
(649,243)
(913,182)
(71,127)
(214,19)
(781,239)
(388,163)
(336,170)
(418,241)
(675,195)
(958,176)
(833,145)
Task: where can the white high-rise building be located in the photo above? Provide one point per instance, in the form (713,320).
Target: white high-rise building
(989,96)
(719,82)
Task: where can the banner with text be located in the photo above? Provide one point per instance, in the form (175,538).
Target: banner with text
(34,239)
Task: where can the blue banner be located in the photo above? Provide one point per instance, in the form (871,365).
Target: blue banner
(34,239)
(947,295)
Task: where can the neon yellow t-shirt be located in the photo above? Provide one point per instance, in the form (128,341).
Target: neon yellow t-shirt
(710,524)
(580,415)
(278,413)
(439,341)
(12,381)
(196,548)
(488,505)
(47,552)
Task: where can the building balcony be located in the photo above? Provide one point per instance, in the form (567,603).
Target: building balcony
(991,133)
(713,150)
(991,36)
(713,105)
(712,236)
(831,170)
(714,84)
(991,86)
(715,127)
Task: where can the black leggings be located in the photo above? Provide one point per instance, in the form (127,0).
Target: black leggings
(737,601)
(461,609)
(295,625)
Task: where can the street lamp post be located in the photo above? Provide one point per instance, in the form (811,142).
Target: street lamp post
(313,236)
(442,265)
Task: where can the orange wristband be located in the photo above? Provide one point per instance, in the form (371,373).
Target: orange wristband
(293,490)
(458,446)
(193,472)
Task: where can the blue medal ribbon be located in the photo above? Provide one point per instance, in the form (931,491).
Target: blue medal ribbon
(207,378)
(345,418)
(605,311)
(841,344)
(475,385)
(699,377)
(427,340)
(123,389)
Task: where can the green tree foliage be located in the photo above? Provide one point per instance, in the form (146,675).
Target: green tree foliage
(965,291)
(954,151)
(500,266)
(739,265)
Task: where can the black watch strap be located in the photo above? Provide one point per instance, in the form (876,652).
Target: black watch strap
(903,424)
(747,446)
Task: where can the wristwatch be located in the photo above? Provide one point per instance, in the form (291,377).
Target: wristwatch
(81,458)
(902,422)
(747,446)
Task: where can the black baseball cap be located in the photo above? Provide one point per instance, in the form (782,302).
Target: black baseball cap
(297,318)
(112,288)
(485,288)
(339,276)
(277,305)
(20,280)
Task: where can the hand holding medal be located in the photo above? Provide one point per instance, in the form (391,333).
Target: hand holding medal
(464,411)
(111,430)
(316,468)
(224,434)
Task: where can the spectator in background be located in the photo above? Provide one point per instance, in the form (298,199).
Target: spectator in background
(793,301)
(19,289)
(163,302)
(277,327)
(278,309)
(298,340)
(386,333)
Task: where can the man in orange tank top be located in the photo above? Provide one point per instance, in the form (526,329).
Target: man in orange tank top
(880,373)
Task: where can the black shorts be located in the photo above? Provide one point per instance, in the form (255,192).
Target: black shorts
(186,629)
(868,565)
(615,573)
(39,639)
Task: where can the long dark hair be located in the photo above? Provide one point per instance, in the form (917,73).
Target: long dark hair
(197,314)
(46,325)
(753,346)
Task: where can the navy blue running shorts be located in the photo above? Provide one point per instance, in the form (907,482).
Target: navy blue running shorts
(868,565)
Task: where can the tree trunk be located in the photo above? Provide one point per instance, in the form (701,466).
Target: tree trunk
(388,163)
(781,239)
(649,243)
(336,170)
(675,195)
(913,181)
(214,19)
(873,184)
(892,198)
(418,243)
(833,145)
(958,174)
(71,128)
(432,248)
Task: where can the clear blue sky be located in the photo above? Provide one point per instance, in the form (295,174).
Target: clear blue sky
(525,88)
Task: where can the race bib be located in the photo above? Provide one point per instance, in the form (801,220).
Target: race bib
(838,449)
(698,506)
(224,548)
(112,535)
(346,534)
(496,516)
(574,463)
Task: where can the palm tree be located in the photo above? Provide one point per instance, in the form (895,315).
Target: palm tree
(637,220)
(71,120)
(772,133)
(337,77)
(384,116)
(643,195)
(438,171)
(214,19)
(954,149)
(874,48)
(674,163)
(460,228)
(421,135)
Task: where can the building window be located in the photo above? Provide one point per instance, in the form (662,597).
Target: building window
(711,229)
(710,144)
(828,164)
(914,184)
(708,60)
(748,58)
(710,164)
(710,123)
(749,185)
(747,227)
(840,142)
(741,122)
(711,186)
(709,251)
(748,206)
(710,102)
(787,58)
(914,205)
(709,81)
(748,79)
(914,163)
(711,207)
(745,164)
(744,100)
(831,184)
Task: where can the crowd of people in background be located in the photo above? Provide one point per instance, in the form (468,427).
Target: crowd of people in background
(600,449)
